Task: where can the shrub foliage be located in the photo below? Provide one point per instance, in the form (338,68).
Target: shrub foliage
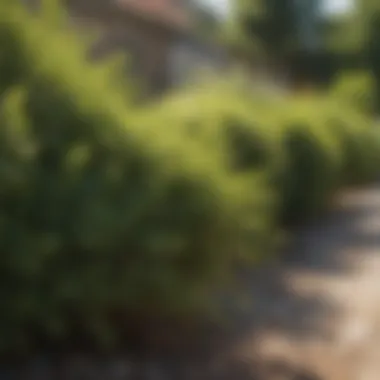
(101,212)
(106,208)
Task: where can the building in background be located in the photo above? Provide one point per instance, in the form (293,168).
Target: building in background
(159,37)
(165,48)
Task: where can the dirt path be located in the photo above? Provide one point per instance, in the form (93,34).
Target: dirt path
(324,314)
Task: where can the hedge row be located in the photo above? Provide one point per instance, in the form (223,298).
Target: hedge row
(356,89)
(106,209)
(100,214)
(306,147)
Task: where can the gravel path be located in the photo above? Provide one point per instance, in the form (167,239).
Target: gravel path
(326,316)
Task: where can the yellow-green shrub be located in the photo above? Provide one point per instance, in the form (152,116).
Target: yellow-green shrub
(229,122)
(355,89)
(106,208)
(100,211)
(357,133)
(314,159)
(330,144)
(351,114)
(224,121)
(247,145)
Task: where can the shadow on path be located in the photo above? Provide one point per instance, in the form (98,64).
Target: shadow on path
(330,248)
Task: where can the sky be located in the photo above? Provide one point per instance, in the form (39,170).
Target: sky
(331,6)
(334,6)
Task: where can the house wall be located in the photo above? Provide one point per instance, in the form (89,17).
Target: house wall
(147,44)
(188,58)
(161,57)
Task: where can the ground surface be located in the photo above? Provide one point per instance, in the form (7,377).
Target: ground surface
(326,318)
(314,316)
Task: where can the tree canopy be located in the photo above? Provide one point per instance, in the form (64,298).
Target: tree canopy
(272,27)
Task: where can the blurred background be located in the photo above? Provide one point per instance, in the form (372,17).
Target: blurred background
(163,162)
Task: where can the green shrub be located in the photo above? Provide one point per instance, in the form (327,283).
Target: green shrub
(229,122)
(106,209)
(305,148)
(220,120)
(222,125)
(355,90)
(99,211)
(330,144)
(351,113)
(360,145)
(314,160)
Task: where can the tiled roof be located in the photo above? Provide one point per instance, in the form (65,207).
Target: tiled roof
(169,12)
